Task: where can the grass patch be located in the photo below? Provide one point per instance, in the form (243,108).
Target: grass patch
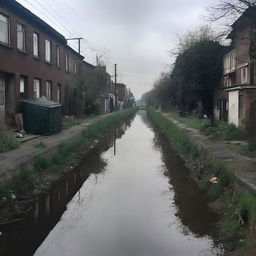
(7,143)
(41,163)
(40,145)
(224,131)
(173,134)
(190,120)
(248,150)
(220,129)
(69,122)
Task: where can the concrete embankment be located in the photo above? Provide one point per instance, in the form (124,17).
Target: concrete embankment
(243,168)
(12,162)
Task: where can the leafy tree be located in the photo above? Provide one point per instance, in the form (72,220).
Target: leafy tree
(197,71)
(81,98)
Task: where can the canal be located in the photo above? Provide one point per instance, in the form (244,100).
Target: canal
(138,200)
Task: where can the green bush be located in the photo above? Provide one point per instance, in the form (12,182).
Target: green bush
(24,183)
(41,163)
(7,143)
(224,130)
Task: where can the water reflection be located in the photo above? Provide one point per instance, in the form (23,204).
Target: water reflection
(191,201)
(144,205)
(24,236)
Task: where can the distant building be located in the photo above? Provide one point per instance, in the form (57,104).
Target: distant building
(121,92)
(107,98)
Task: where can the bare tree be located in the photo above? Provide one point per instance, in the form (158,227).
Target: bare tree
(192,37)
(229,9)
(226,12)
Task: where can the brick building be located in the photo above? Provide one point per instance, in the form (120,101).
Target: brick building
(35,60)
(237,99)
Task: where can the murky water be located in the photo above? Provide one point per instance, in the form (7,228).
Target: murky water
(140,201)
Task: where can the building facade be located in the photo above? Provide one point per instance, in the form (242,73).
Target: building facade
(35,60)
(236,99)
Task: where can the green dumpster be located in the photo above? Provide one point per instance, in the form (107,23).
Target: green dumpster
(41,116)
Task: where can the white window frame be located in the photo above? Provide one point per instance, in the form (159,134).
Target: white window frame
(37,88)
(35,44)
(229,62)
(48,90)
(59,93)
(22,84)
(232,60)
(4,29)
(67,62)
(48,51)
(21,37)
(58,56)
(244,75)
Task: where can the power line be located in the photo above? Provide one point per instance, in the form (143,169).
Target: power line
(47,17)
(69,30)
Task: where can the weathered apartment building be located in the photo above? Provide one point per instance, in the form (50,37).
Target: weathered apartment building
(236,99)
(35,60)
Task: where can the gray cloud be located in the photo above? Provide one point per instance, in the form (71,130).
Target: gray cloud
(135,34)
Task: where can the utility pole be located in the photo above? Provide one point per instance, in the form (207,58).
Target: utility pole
(79,42)
(115,90)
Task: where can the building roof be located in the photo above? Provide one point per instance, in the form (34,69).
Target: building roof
(249,16)
(121,85)
(89,65)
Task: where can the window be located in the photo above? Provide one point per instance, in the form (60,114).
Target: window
(75,66)
(58,56)
(244,75)
(227,82)
(48,90)
(23,87)
(59,93)
(48,51)
(233,60)
(229,62)
(21,39)
(35,45)
(67,63)
(4,29)
(37,88)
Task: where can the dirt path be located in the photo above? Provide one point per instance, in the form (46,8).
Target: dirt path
(12,162)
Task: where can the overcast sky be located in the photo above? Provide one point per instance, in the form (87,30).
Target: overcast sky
(135,34)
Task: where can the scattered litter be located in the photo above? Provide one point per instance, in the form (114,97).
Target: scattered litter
(13,196)
(214,179)
(19,135)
